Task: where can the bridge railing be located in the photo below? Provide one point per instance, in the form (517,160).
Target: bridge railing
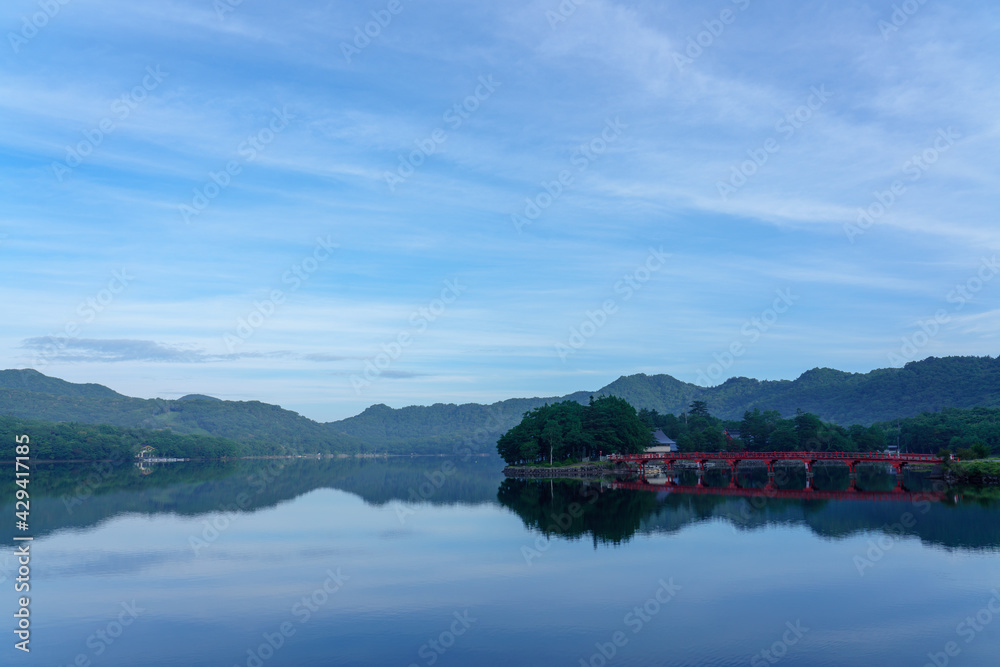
(778,456)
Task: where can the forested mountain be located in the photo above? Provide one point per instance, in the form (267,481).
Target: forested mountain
(28,394)
(834,396)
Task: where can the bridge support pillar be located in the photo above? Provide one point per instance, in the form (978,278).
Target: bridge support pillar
(899,475)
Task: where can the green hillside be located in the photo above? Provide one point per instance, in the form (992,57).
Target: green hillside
(843,398)
(257,425)
(68,440)
(32,380)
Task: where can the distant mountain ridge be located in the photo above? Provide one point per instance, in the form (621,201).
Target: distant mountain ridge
(845,398)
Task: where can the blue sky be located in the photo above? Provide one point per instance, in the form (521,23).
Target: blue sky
(476,201)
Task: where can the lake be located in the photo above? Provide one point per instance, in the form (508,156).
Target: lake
(443,561)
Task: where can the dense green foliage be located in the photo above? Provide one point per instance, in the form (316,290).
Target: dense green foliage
(64,441)
(971,433)
(950,428)
(567,430)
(694,431)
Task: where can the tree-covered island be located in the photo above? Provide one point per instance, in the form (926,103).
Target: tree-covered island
(570,430)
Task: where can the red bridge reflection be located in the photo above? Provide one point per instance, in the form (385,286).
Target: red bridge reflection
(771,491)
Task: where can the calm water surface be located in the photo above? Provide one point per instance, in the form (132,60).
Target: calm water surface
(443,562)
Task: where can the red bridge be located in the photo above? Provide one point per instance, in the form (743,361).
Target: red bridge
(770,458)
(810,459)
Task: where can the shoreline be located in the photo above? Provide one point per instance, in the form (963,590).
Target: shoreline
(567,472)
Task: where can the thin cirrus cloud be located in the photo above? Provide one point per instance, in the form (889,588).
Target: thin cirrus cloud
(76,350)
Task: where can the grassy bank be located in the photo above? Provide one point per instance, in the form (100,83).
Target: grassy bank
(980,468)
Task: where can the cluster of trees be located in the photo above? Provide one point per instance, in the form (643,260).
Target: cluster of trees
(694,430)
(63,441)
(768,431)
(969,433)
(762,431)
(569,430)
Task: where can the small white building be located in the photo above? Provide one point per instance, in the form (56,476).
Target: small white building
(663,443)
